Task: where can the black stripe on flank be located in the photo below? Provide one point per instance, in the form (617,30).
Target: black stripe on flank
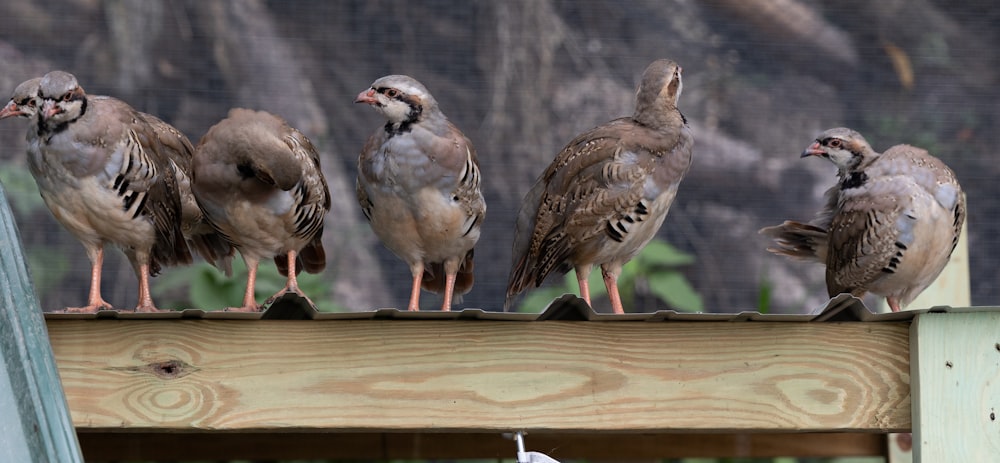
(613,233)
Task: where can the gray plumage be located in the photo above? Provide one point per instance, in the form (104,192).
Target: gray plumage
(104,174)
(889,225)
(418,186)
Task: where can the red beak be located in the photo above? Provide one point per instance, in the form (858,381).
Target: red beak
(367,96)
(813,150)
(10,110)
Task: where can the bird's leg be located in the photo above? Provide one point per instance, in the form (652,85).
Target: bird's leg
(582,274)
(94,302)
(292,283)
(893,304)
(293,280)
(450,272)
(145,299)
(418,274)
(611,282)
(249,303)
(449,288)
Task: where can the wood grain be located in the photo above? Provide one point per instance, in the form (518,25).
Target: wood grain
(956,386)
(483,376)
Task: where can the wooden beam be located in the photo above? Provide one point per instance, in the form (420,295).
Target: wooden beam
(956,385)
(483,376)
(119,446)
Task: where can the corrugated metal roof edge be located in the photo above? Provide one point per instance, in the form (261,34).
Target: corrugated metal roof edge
(567,307)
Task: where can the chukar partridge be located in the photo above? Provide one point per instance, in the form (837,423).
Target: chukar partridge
(106,181)
(200,236)
(606,193)
(259,183)
(418,186)
(889,224)
(23,102)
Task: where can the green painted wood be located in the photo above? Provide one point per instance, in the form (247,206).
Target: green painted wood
(955,383)
(35,424)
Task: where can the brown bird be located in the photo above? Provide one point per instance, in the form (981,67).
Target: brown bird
(259,183)
(889,225)
(418,186)
(200,235)
(606,193)
(104,176)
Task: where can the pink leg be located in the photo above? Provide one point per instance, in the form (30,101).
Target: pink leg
(893,304)
(582,274)
(611,282)
(94,302)
(293,280)
(249,302)
(418,274)
(449,289)
(291,284)
(145,298)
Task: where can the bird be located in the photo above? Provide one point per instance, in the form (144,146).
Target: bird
(259,183)
(23,102)
(606,194)
(889,224)
(104,176)
(418,186)
(201,237)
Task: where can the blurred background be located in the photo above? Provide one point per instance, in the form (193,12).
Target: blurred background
(521,78)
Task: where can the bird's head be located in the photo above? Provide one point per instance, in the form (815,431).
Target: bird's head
(63,99)
(844,147)
(402,100)
(659,90)
(661,81)
(24,101)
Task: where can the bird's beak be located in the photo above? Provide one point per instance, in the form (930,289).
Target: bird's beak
(10,110)
(49,109)
(367,96)
(813,150)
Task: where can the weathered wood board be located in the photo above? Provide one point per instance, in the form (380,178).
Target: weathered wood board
(483,376)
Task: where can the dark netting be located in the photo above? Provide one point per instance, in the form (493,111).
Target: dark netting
(521,78)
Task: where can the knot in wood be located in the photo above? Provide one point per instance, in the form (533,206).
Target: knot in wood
(169,369)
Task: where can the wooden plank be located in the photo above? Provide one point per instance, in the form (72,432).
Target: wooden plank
(36,423)
(483,376)
(956,381)
(117,446)
(951,288)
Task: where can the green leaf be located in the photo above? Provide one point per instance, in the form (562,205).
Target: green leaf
(764,297)
(674,289)
(537,299)
(661,253)
(207,294)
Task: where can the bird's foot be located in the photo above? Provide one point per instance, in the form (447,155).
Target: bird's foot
(143,308)
(250,309)
(92,308)
(288,292)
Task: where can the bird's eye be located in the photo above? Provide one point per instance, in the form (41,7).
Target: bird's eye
(67,97)
(835,143)
(392,93)
(31,103)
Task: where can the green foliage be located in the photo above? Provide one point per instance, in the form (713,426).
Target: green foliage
(21,188)
(654,272)
(764,296)
(47,266)
(209,289)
